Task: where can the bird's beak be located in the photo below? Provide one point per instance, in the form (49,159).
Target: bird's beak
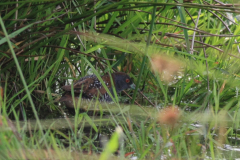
(133,86)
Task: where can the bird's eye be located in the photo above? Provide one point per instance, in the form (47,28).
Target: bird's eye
(127,80)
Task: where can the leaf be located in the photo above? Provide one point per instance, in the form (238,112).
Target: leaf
(3,40)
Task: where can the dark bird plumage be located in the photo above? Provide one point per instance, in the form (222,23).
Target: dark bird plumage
(90,87)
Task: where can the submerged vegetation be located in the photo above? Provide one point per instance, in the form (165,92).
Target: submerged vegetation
(183,57)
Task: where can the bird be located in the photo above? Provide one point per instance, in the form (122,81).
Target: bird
(90,87)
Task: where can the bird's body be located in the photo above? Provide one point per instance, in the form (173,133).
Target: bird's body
(90,87)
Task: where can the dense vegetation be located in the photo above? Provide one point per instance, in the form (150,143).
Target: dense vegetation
(182,55)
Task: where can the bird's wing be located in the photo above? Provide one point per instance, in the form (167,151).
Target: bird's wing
(65,97)
(82,84)
(97,88)
(90,86)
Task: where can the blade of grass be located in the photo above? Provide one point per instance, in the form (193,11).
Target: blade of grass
(23,79)
(145,57)
(183,20)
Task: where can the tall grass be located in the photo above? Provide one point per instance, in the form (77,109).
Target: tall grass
(179,53)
